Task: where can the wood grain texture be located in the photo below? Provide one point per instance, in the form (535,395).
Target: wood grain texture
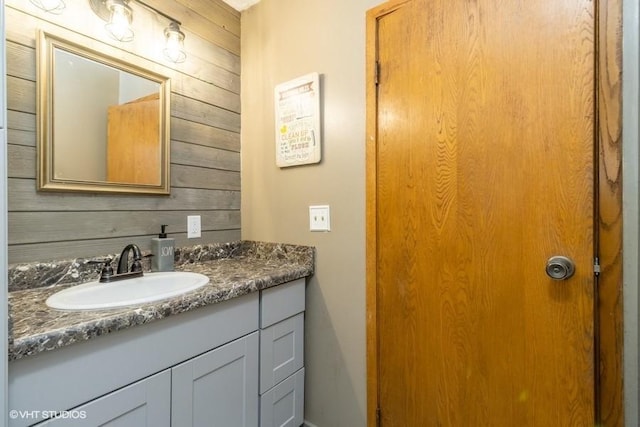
(197,133)
(610,225)
(35,227)
(485,168)
(24,198)
(21,61)
(198,89)
(199,155)
(205,125)
(80,248)
(198,177)
(218,13)
(21,162)
(21,137)
(210,162)
(21,95)
(21,121)
(201,111)
(133,147)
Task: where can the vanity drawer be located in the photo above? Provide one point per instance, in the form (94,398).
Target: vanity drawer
(283,405)
(281,351)
(281,302)
(146,403)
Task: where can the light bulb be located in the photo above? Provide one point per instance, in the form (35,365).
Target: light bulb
(119,25)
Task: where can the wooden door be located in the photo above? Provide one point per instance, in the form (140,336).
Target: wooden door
(482,168)
(134,142)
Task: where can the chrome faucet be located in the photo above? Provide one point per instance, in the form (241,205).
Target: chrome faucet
(123,272)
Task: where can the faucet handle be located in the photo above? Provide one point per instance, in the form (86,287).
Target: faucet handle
(107,270)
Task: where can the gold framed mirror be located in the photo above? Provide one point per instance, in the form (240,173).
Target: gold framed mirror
(103,122)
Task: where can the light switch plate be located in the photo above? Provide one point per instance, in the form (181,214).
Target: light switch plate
(193,226)
(319,218)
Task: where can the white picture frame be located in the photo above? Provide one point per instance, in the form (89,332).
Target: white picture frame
(297,121)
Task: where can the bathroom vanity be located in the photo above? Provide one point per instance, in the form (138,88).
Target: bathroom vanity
(228,354)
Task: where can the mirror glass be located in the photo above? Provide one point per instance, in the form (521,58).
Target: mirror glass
(103,123)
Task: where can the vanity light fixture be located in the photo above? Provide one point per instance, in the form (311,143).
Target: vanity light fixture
(51,6)
(174,48)
(119,16)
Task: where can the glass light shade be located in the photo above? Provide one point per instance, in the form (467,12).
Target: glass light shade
(119,25)
(51,6)
(174,47)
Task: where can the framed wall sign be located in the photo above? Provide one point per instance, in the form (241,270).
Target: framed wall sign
(297,108)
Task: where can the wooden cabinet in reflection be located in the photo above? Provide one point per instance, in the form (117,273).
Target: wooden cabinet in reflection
(133,145)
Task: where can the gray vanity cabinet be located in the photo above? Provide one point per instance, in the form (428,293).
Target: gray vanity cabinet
(218,388)
(145,403)
(235,363)
(282,355)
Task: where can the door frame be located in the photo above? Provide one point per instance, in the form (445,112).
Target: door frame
(608,196)
(631,159)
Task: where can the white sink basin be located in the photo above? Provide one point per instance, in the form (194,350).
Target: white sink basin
(148,288)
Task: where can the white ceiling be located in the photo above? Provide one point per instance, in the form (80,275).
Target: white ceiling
(241,4)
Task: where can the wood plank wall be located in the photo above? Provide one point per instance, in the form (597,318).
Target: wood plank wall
(205,136)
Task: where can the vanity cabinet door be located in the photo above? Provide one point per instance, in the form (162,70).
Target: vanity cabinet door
(218,388)
(281,351)
(144,403)
(283,405)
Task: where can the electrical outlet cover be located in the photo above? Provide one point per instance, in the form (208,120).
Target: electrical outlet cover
(193,226)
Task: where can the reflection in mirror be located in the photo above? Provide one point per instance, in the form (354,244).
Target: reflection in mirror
(103,123)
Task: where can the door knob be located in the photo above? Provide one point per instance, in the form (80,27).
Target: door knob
(560,267)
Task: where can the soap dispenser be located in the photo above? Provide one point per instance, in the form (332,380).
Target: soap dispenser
(162,250)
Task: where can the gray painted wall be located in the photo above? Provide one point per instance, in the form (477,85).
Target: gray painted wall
(282,40)
(631,212)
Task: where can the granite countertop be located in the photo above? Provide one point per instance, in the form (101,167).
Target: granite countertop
(250,267)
